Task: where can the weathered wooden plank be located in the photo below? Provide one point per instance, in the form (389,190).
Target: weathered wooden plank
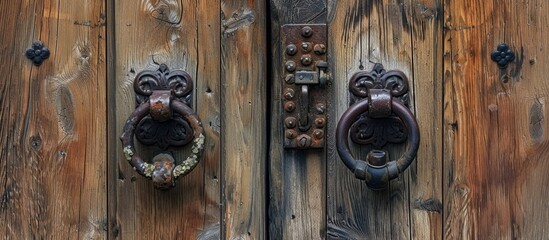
(496,162)
(178,34)
(426,174)
(353,210)
(297,195)
(363,33)
(243,119)
(53,152)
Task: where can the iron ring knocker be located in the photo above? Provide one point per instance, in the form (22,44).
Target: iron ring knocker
(379,105)
(162,99)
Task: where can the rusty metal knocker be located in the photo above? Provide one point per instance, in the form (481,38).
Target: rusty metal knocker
(163,118)
(379,115)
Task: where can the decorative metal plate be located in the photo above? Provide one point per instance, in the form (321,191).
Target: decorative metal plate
(176,131)
(378,132)
(303,85)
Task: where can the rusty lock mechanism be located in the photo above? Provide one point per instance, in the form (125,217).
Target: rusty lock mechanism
(303,85)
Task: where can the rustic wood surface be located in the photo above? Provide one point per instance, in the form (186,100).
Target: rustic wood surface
(297,183)
(364,33)
(426,175)
(495,128)
(244,118)
(53,148)
(481,167)
(183,35)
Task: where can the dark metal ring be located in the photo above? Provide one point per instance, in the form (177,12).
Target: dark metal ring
(150,170)
(376,177)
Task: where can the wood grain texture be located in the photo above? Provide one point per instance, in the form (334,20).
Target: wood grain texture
(297,183)
(426,175)
(243,118)
(495,121)
(183,35)
(53,153)
(363,33)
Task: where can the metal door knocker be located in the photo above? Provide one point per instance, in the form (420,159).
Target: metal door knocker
(379,116)
(163,118)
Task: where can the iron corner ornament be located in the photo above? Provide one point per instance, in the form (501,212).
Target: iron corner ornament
(37,53)
(503,55)
(163,119)
(378,115)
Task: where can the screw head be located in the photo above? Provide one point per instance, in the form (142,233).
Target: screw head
(306,59)
(303,141)
(290,134)
(306,46)
(291,49)
(319,49)
(289,79)
(290,122)
(290,66)
(289,93)
(318,134)
(320,108)
(320,121)
(306,31)
(289,106)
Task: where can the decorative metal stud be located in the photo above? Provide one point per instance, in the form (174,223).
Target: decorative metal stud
(37,53)
(503,55)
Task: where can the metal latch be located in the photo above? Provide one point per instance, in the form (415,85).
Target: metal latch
(304,81)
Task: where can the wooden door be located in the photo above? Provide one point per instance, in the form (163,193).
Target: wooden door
(64,175)
(479,173)
(479,169)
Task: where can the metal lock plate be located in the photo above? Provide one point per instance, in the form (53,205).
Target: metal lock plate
(303,85)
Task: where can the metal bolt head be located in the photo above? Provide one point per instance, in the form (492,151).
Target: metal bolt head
(303,141)
(320,108)
(306,59)
(306,46)
(306,31)
(290,134)
(290,122)
(290,66)
(289,93)
(320,121)
(318,134)
(289,106)
(319,49)
(290,78)
(377,157)
(291,49)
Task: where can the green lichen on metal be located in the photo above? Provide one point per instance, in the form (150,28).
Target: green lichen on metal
(128,153)
(191,161)
(148,169)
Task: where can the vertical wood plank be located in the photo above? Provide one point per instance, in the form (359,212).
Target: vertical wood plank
(496,164)
(426,173)
(183,35)
(363,33)
(53,153)
(353,210)
(297,183)
(243,119)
